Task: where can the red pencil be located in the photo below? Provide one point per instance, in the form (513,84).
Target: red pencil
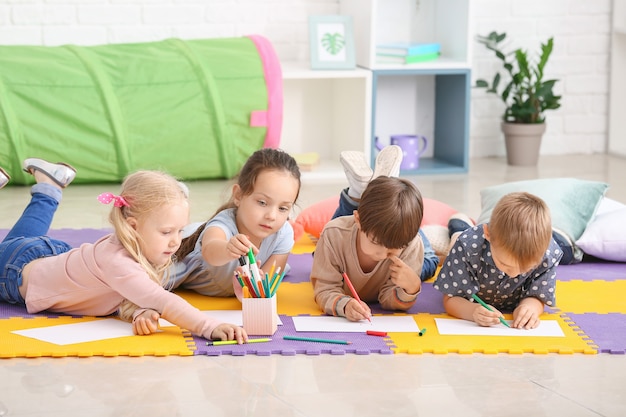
(352,290)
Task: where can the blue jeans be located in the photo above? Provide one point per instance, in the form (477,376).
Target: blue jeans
(27,241)
(346,208)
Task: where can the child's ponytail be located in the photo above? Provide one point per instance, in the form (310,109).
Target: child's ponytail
(143,192)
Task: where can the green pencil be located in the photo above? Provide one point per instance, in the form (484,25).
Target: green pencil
(482,303)
(312,339)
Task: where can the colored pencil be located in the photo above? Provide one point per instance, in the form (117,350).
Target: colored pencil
(239,279)
(234,342)
(277,283)
(314,339)
(352,290)
(273,279)
(251,287)
(482,303)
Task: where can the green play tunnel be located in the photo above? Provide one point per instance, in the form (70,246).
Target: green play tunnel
(194,108)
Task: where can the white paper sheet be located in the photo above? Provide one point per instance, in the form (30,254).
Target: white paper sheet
(89,331)
(341,324)
(465,327)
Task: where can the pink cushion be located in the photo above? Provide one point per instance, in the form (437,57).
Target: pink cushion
(313,219)
(436,212)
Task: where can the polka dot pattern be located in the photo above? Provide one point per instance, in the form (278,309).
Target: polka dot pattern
(470,269)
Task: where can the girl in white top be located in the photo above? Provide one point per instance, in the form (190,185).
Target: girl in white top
(120,271)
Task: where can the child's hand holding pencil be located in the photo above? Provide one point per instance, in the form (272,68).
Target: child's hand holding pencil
(355,310)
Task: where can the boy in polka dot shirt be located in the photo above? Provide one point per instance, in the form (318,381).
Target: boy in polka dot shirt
(509,262)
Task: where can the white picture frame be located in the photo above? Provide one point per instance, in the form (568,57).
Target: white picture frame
(332,42)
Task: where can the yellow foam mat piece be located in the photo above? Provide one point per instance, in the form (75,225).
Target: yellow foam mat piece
(293,299)
(170,341)
(595,296)
(303,245)
(433,342)
(204,302)
(296,299)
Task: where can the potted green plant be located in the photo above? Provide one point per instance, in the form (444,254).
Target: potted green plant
(526,97)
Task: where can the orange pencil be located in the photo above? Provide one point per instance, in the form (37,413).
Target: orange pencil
(352,290)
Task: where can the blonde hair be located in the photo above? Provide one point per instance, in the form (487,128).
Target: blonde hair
(521,225)
(145,192)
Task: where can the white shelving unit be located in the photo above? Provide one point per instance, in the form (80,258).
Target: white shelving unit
(326,111)
(431,98)
(617,101)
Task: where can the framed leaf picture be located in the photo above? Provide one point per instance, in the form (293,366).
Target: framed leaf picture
(332,42)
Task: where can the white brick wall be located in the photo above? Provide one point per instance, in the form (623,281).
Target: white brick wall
(580,59)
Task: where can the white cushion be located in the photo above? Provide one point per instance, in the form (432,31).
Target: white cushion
(605,236)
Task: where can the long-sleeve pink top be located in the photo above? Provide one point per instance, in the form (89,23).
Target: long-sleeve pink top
(96,277)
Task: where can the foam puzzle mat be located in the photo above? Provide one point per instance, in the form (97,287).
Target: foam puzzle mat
(589,311)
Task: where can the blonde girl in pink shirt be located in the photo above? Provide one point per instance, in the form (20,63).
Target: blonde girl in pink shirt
(116,274)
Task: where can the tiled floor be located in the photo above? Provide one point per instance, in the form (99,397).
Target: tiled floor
(352,385)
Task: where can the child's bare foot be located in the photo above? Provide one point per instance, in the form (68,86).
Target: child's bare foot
(59,174)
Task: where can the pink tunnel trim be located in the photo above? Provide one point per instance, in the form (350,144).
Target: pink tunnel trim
(258,118)
(274,83)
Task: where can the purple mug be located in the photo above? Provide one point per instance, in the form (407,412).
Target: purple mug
(413,146)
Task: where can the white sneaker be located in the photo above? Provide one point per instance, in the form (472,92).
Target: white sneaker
(388,162)
(358,171)
(4,178)
(61,173)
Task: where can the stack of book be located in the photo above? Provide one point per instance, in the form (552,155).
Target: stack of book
(407,53)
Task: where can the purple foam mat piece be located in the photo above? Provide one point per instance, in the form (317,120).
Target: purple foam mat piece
(362,344)
(428,301)
(73,237)
(300,268)
(588,271)
(8,311)
(607,331)
(12,310)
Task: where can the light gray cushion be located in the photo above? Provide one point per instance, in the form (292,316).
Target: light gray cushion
(572,202)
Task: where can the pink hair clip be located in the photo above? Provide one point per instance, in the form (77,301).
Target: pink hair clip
(118,200)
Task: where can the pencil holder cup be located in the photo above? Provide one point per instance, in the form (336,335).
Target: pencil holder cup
(260,316)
